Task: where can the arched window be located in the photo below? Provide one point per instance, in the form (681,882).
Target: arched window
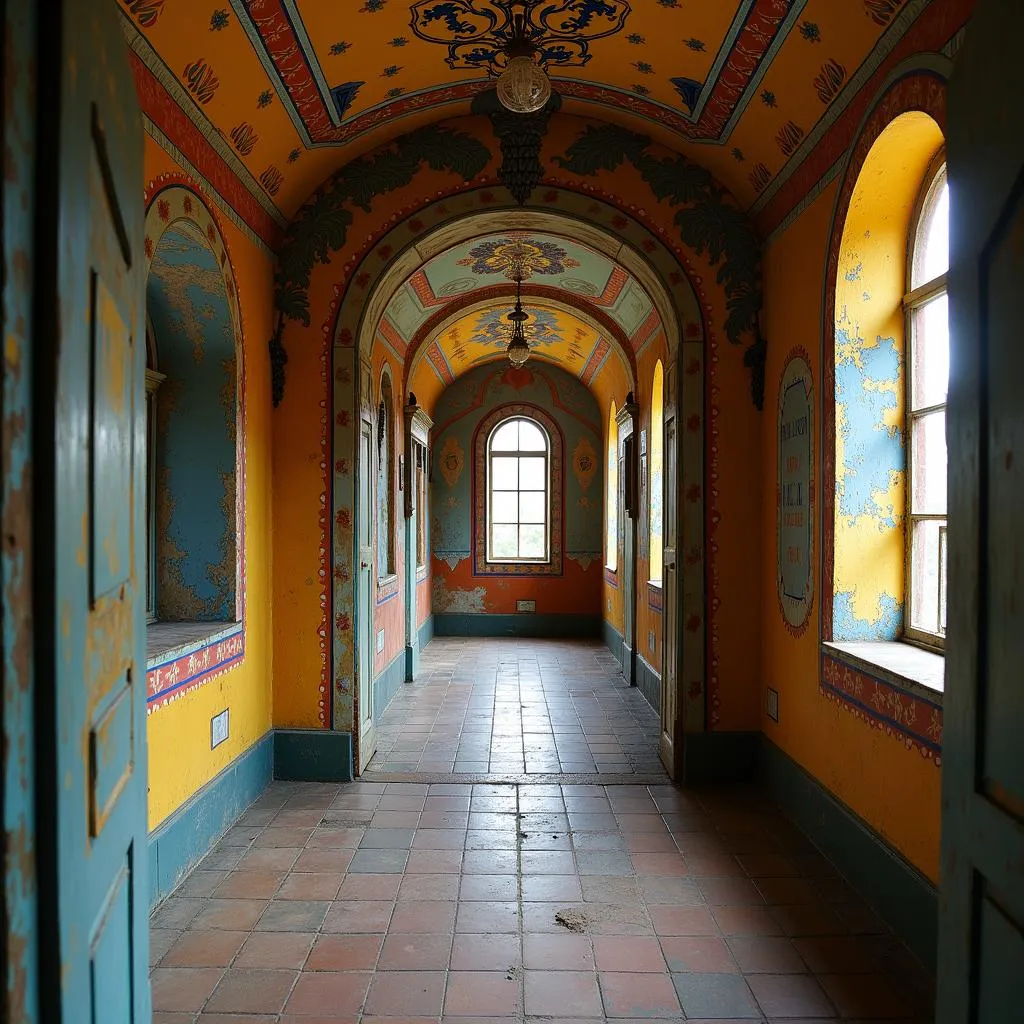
(518,492)
(927,335)
(657,471)
(386,563)
(612,556)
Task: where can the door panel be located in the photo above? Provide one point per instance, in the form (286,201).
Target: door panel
(981,915)
(364,591)
(98,561)
(670,583)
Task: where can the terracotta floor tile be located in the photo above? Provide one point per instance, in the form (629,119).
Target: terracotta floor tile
(324,860)
(493,862)
(310,886)
(250,884)
(325,992)
(628,953)
(370,887)
(701,953)
(804,919)
(659,864)
(439,839)
(489,887)
(282,950)
(161,940)
(431,917)
(790,995)
(670,920)
(204,949)
(344,953)
(557,993)
(406,993)
(766,954)
(869,996)
(638,995)
(293,916)
(489,917)
(715,995)
(746,921)
(177,912)
(473,952)
(551,888)
(434,862)
(429,887)
(251,990)
(182,988)
(730,892)
(557,952)
(232,915)
(270,859)
(359,916)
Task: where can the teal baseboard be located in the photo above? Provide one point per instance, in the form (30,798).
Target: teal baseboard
(612,639)
(186,836)
(898,892)
(312,755)
(426,631)
(453,624)
(714,757)
(648,681)
(388,683)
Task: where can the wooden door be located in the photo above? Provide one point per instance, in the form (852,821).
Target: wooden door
(364,596)
(981,945)
(667,747)
(91,543)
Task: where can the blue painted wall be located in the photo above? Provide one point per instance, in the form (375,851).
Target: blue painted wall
(196,552)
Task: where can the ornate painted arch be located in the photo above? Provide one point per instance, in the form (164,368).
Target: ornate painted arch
(172,199)
(369,277)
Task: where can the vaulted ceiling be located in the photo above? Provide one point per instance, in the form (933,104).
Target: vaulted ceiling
(289,90)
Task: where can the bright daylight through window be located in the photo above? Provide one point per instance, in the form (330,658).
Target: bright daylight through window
(518,492)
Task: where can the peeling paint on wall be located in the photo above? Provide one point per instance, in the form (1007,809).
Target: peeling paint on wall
(455,600)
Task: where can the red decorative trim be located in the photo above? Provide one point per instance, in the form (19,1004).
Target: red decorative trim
(929,33)
(651,323)
(655,597)
(161,108)
(916,722)
(751,44)
(923,92)
(601,349)
(173,679)
(389,333)
(439,363)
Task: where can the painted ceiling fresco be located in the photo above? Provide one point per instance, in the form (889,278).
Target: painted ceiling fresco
(555,334)
(583,276)
(286,91)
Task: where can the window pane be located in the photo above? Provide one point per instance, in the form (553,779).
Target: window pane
(928,583)
(531,438)
(935,238)
(532,475)
(504,506)
(929,464)
(531,541)
(504,541)
(931,353)
(532,507)
(506,437)
(504,474)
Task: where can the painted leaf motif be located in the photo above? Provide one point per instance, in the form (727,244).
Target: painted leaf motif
(602,148)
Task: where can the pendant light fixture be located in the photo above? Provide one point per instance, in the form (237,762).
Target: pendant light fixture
(518,349)
(523,87)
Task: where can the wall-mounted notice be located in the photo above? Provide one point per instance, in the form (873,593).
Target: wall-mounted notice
(796,492)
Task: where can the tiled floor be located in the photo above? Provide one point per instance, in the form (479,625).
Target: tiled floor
(514,707)
(403,902)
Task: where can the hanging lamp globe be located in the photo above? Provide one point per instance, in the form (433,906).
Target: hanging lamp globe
(518,351)
(518,348)
(523,87)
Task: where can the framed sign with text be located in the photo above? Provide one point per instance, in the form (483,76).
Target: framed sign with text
(795,494)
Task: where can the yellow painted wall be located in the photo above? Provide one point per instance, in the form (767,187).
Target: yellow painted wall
(893,788)
(178,734)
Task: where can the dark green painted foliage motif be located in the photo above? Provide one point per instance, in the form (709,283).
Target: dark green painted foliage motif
(708,221)
(321,226)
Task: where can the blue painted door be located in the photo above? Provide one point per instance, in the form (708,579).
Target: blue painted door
(93,220)
(981,943)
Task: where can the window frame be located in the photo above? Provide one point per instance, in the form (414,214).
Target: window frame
(387,468)
(915,299)
(489,486)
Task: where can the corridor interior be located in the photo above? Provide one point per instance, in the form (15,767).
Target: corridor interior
(489,490)
(556,875)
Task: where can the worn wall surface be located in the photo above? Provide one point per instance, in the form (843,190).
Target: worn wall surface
(195,431)
(458,494)
(180,758)
(876,749)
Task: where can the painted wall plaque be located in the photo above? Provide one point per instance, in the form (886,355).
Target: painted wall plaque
(795,495)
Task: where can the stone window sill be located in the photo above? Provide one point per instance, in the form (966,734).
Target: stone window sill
(913,669)
(168,641)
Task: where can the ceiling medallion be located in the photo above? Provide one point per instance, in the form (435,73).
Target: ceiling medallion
(517,41)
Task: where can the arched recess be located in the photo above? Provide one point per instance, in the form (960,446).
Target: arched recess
(352,325)
(909,111)
(196,340)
